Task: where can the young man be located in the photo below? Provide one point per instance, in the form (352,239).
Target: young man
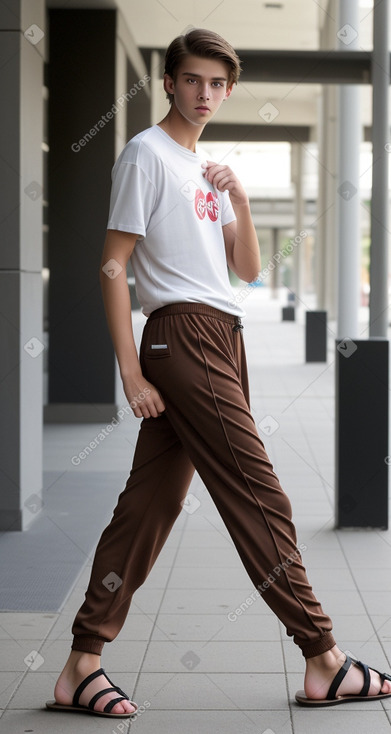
(181,221)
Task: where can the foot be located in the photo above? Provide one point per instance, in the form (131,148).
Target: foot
(78,666)
(322,669)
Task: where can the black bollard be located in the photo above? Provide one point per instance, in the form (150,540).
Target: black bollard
(288,313)
(361,433)
(316,336)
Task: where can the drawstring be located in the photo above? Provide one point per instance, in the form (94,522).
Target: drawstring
(238,324)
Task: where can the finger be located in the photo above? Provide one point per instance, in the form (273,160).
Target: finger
(142,409)
(160,404)
(153,404)
(209,173)
(219,172)
(153,410)
(156,400)
(137,412)
(221,181)
(147,412)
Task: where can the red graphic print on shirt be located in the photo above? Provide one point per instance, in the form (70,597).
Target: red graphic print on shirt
(212,206)
(209,204)
(200,203)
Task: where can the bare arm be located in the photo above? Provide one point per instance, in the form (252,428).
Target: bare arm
(240,237)
(118,247)
(241,245)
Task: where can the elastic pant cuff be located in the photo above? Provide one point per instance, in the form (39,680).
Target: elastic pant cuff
(312,649)
(83,643)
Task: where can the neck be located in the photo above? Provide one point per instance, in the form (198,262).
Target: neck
(180,129)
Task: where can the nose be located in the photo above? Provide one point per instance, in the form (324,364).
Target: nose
(204,92)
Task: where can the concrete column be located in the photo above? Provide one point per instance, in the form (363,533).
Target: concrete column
(329,212)
(297,178)
(349,138)
(97,88)
(274,275)
(326,224)
(156,84)
(21,294)
(378,305)
(320,239)
(362,366)
(131,75)
(81,96)
(121,86)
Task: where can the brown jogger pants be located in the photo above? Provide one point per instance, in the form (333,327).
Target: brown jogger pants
(194,355)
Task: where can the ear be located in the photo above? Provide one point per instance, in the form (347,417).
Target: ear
(168,84)
(229,91)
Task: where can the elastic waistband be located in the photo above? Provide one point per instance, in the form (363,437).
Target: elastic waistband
(202,308)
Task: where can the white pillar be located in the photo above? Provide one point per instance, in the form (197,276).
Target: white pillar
(330,211)
(326,233)
(274,275)
(21,284)
(326,222)
(297,179)
(378,316)
(156,84)
(349,138)
(320,239)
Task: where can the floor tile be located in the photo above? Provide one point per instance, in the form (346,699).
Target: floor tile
(185,577)
(8,684)
(25,625)
(216,627)
(211,656)
(213,601)
(211,691)
(350,720)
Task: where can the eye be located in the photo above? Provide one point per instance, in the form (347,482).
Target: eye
(191,81)
(217,84)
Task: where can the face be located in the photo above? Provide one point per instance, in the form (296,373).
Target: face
(199,88)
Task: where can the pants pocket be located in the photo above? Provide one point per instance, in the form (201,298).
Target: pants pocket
(156,351)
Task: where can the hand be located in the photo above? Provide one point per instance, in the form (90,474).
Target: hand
(224,179)
(144,399)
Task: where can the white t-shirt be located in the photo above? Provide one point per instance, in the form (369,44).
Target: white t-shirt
(159,193)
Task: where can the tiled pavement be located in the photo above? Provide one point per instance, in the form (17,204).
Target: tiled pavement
(179,655)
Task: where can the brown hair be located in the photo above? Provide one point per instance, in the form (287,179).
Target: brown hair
(203,43)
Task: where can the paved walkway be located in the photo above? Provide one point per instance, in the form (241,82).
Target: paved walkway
(181,655)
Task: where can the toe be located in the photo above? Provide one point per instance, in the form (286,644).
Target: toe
(377,685)
(123,707)
(386,687)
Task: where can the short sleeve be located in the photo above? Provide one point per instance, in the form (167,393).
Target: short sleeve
(132,199)
(227,212)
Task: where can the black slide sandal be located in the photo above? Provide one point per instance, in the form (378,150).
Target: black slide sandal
(75,706)
(332,699)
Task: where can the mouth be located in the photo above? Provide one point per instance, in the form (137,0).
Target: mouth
(203,108)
